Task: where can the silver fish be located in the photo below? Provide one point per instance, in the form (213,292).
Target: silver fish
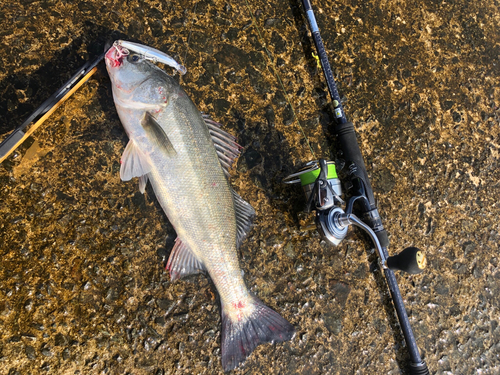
(186,158)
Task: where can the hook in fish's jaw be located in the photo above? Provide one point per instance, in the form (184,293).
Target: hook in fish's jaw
(115,55)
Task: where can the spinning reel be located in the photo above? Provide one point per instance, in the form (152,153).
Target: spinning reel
(323,191)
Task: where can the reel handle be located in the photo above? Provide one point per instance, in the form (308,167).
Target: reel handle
(411,260)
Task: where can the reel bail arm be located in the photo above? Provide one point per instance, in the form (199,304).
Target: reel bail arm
(410,260)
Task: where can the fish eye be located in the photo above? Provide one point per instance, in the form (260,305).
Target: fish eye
(133,58)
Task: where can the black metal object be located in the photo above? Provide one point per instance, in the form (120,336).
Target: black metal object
(362,193)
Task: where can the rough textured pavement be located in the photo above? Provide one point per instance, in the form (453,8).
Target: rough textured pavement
(83,288)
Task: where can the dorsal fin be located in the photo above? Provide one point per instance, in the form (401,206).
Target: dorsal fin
(228,150)
(244,217)
(225,144)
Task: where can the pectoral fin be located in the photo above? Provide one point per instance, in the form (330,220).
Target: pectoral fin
(157,135)
(134,162)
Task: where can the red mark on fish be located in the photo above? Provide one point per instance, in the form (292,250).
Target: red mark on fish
(238,307)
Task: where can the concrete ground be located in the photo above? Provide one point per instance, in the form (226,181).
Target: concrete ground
(83,288)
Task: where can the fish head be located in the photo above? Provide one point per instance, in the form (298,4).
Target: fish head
(138,83)
(126,69)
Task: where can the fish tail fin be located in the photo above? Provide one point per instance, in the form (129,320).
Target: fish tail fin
(241,336)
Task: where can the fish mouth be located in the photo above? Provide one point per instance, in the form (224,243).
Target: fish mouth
(115,55)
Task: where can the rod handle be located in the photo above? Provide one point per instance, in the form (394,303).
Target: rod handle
(419,369)
(348,142)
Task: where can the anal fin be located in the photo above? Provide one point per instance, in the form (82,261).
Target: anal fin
(182,262)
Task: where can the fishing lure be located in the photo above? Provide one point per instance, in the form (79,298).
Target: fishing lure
(151,54)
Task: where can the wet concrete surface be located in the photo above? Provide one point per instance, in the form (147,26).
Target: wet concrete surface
(83,288)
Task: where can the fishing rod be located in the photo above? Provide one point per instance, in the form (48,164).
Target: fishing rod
(323,191)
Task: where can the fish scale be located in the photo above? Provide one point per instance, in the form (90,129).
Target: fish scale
(172,145)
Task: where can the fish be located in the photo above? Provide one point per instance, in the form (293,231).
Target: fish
(186,157)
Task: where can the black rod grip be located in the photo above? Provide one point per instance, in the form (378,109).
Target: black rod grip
(382,237)
(404,322)
(346,137)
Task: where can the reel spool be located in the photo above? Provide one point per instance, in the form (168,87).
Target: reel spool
(320,183)
(323,191)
